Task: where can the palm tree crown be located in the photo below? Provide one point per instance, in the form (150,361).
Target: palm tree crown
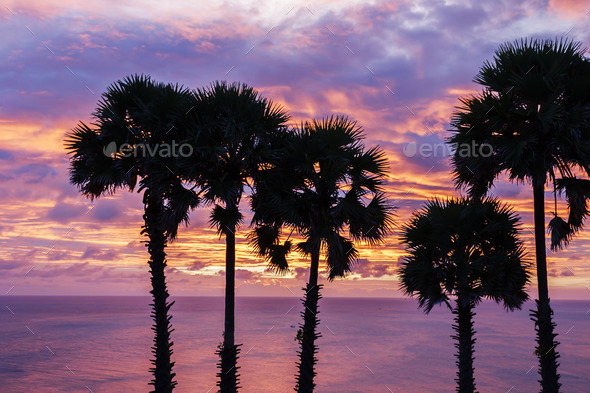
(239,124)
(135,117)
(534,113)
(322,184)
(462,246)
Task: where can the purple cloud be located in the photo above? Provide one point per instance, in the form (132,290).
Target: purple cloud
(35,173)
(73,271)
(106,210)
(6,155)
(11,265)
(64,212)
(100,255)
(58,255)
(366,269)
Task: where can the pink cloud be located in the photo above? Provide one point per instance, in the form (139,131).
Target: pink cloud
(573,9)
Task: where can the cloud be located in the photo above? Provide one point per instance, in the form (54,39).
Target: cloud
(99,255)
(135,245)
(301,273)
(121,276)
(66,212)
(366,269)
(246,275)
(58,255)
(34,173)
(560,272)
(106,210)
(198,265)
(6,155)
(5,178)
(11,265)
(569,8)
(72,271)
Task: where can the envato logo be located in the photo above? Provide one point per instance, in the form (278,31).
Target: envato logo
(163,150)
(463,150)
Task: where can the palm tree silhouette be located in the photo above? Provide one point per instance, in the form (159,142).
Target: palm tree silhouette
(467,249)
(532,117)
(236,125)
(322,183)
(136,117)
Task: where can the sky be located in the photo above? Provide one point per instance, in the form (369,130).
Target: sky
(398,68)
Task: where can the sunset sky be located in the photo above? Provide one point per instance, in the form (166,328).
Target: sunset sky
(398,68)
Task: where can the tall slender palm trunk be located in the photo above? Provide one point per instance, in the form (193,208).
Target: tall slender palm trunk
(307,333)
(163,381)
(228,351)
(544,326)
(465,342)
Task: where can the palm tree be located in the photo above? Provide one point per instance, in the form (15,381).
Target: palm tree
(323,183)
(532,121)
(467,249)
(135,118)
(238,125)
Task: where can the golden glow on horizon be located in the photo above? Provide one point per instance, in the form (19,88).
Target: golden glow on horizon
(63,244)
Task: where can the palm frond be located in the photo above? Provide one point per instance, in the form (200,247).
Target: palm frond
(262,237)
(180,202)
(265,241)
(420,279)
(577,192)
(561,233)
(224,219)
(277,257)
(92,168)
(374,222)
(340,256)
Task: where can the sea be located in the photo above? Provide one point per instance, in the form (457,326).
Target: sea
(368,345)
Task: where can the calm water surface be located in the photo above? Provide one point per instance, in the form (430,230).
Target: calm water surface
(102,344)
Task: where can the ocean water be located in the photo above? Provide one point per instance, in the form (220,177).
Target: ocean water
(102,344)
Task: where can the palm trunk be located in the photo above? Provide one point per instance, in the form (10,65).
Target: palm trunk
(307,332)
(544,326)
(465,342)
(228,351)
(163,381)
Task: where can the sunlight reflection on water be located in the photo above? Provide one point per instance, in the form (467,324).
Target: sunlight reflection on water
(367,345)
